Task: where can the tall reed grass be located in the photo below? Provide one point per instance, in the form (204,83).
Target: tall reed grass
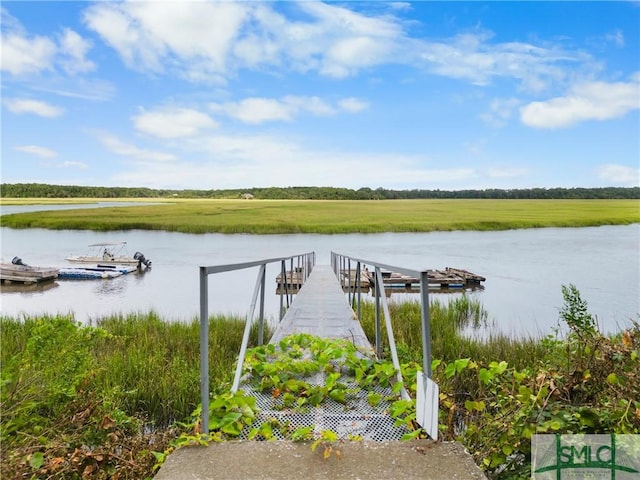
(449,322)
(147,367)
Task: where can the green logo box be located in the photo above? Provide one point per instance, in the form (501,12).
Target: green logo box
(582,456)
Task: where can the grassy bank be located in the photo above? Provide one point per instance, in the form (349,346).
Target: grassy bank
(97,401)
(331,217)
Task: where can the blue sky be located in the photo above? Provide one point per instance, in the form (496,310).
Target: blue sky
(401,95)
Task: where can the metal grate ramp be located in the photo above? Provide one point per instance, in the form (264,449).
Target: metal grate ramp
(321,309)
(354,419)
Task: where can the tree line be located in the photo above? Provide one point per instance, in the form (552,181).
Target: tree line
(42,190)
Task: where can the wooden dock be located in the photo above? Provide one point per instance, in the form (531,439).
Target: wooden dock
(26,274)
(292,279)
(445,279)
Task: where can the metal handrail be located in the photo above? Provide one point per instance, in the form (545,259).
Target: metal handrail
(340,262)
(305,262)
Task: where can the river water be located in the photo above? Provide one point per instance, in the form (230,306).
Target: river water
(524,270)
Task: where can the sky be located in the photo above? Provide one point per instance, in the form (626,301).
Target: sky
(399,95)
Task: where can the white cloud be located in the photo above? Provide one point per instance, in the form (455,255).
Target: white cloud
(70,164)
(353,105)
(400,5)
(194,37)
(115,145)
(473,57)
(259,161)
(173,122)
(210,42)
(42,152)
(506,172)
(23,105)
(620,175)
(500,111)
(74,49)
(21,54)
(256,110)
(616,37)
(96,90)
(24,54)
(588,101)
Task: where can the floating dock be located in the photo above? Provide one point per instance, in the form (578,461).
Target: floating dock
(447,278)
(293,279)
(97,272)
(26,274)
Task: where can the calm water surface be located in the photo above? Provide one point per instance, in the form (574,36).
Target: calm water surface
(525,270)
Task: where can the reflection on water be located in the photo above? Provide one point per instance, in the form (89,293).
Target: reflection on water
(27,288)
(9,209)
(524,270)
(411,292)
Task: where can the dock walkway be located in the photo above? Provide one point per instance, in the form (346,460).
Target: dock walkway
(321,309)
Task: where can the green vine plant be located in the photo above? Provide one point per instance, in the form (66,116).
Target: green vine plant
(585,383)
(284,372)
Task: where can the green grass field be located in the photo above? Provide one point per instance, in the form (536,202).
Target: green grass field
(328,216)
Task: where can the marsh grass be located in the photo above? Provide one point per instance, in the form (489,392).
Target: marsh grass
(75,398)
(335,217)
(449,342)
(148,367)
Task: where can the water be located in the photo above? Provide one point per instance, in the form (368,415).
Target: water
(525,270)
(9,209)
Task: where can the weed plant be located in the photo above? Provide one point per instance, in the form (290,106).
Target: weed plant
(448,323)
(498,392)
(94,401)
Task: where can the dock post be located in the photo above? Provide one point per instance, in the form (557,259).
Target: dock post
(358,285)
(283,275)
(426,323)
(204,350)
(378,327)
(261,324)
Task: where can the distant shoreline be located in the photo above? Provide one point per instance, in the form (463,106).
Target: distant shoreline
(41,190)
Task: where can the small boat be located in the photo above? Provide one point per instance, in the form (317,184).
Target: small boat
(110,253)
(19,272)
(97,272)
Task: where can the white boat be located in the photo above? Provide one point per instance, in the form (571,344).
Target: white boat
(110,253)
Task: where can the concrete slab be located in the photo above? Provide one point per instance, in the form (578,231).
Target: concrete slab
(284,460)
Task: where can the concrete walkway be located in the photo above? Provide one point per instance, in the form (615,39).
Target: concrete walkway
(284,460)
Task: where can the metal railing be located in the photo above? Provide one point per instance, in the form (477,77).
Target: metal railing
(427,391)
(350,279)
(303,264)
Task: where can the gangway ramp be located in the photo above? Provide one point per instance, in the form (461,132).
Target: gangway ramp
(321,309)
